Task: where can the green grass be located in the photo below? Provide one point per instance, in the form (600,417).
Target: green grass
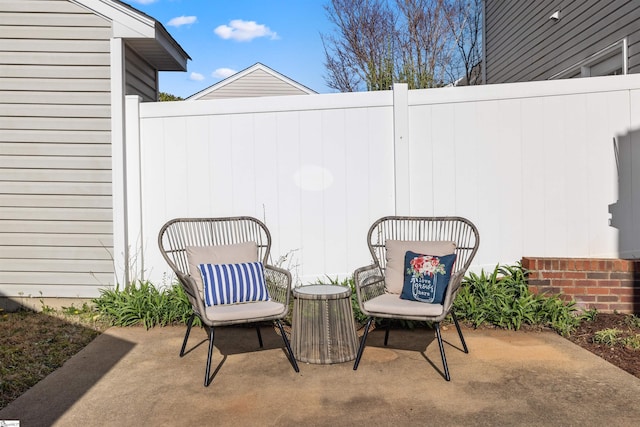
(32,345)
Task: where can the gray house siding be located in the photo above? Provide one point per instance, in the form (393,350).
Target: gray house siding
(140,78)
(522,43)
(56,225)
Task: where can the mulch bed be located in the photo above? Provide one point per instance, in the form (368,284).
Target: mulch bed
(622,356)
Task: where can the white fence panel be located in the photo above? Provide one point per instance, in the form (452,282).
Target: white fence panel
(533,165)
(317,171)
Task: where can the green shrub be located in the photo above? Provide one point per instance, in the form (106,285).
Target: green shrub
(632,320)
(590,315)
(502,298)
(607,336)
(632,341)
(142,303)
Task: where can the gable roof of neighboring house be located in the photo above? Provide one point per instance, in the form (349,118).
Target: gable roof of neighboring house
(143,33)
(257,80)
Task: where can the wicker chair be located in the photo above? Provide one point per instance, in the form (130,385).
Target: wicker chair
(178,237)
(372,291)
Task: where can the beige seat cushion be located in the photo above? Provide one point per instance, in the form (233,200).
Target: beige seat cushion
(395,252)
(222,254)
(245,311)
(391,304)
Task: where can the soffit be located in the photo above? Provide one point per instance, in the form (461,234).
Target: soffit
(144,34)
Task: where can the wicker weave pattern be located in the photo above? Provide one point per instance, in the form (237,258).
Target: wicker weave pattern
(176,235)
(323,326)
(370,280)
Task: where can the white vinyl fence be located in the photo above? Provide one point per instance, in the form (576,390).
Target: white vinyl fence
(533,165)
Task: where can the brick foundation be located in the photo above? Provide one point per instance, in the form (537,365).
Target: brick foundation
(605,284)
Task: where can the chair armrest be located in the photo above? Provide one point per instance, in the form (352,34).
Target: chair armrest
(278,281)
(369,283)
(452,290)
(193,295)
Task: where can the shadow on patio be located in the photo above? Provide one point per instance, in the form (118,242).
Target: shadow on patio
(51,398)
(131,376)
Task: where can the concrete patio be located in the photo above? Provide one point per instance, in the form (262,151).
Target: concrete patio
(134,377)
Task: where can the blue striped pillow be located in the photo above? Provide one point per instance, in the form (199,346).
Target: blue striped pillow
(233,283)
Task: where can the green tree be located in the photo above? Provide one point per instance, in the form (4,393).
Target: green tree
(164,96)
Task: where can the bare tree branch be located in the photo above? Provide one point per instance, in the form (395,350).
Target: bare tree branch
(465,23)
(424,43)
(362,50)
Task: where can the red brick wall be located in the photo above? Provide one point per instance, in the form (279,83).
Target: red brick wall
(606,284)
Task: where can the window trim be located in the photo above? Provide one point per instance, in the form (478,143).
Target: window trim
(584,67)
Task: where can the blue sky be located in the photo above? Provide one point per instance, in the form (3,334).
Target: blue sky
(226,36)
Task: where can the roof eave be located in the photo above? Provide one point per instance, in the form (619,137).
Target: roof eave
(142,32)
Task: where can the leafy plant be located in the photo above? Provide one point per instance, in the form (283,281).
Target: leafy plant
(558,314)
(590,314)
(607,336)
(502,298)
(46,309)
(632,320)
(142,303)
(85,314)
(632,341)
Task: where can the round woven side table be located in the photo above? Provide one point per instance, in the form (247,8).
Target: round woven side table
(323,329)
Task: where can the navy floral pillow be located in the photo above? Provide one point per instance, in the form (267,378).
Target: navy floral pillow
(426,277)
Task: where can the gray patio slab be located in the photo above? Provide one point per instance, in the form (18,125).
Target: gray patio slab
(134,377)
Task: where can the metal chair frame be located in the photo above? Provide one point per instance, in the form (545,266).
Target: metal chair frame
(177,234)
(370,280)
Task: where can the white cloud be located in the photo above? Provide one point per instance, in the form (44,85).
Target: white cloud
(244,31)
(178,21)
(196,76)
(223,73)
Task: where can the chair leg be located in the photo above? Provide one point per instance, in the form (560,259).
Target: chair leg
(292,359)
(455,321)
(444,359)
(386,333)
(259,335)
(208,368)
(362,343)
(186,335)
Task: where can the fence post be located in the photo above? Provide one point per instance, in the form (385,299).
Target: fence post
(401,148)
(128,211)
